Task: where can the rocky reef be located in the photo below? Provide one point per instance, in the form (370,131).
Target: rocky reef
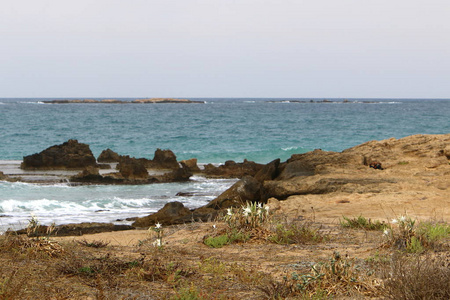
(116,101)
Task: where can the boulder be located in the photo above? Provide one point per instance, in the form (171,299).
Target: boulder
(69,155)
(108,156)
(268,172)
(163,159)
(132,169)
(232,169)
(190,165)
(178,175)
(248,189)
(171,213)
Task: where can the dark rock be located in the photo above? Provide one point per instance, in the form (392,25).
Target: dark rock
(248,189)
(132,169)
(179,175)
(78,229)
(232,169)
(191,165)
(108,156)
(164,159)
(268,172)
(69,155)
(171,213)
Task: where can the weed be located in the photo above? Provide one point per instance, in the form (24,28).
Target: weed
(93,244)
(296,233)
(417,277)
(362,223)
(336,277)
(414,237)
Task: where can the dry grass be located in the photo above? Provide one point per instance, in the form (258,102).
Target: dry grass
(185,268)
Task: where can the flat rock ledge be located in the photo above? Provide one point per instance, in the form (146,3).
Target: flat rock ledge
(116,101)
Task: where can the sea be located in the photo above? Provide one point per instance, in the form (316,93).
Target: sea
(214,131)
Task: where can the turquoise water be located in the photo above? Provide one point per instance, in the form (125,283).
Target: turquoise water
(213,132)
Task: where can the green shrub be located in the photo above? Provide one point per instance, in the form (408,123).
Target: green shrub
(362,223)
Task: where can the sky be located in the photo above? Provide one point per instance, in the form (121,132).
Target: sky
(225,48)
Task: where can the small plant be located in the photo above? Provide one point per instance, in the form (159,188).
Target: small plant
(217,241)
(244,223)
(413,237)
(336,277)
(296,234)
(417,277)
(93,244)
(362,223)
(159,235)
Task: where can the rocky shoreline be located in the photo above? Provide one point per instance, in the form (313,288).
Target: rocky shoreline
(416,169)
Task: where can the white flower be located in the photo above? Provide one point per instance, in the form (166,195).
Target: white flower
(402,219)
(158,225)
(394,221)
(386,232)
(247,210)
(229,211)
(259,205)
(214,226)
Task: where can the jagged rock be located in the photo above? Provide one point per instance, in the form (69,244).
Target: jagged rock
(232,169)
(163,159)
(179,175)
(268,172)
(171,213)
(248,189)
(69,155)
(132,168)
(191,165)
(108,156)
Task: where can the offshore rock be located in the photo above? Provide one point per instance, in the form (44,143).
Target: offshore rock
(179,175)
(231,169)
(69,155)
(191,165)
(164,159)
(132,169)
(108,156)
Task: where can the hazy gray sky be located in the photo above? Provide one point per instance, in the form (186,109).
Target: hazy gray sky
(226,48)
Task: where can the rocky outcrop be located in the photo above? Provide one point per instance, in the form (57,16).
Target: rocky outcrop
(163,159)
(132,169)
(248,189)
(190,165)
(108,156)
(179,175)
(231,169)
(176,213)
(69,155)
(171,213)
